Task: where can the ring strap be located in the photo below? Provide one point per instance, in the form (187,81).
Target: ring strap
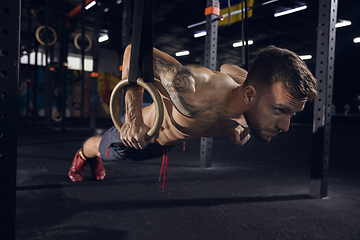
(141,59)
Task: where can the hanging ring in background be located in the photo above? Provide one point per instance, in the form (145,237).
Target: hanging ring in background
(37,35)
(57,116)
(76,42)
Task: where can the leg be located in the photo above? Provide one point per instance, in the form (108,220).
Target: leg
(91,148)
(88,155)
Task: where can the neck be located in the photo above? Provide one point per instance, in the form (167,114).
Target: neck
(237,105)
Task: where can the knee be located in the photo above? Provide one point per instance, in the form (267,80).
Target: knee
(92,145)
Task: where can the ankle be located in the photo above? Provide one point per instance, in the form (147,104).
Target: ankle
(82,156)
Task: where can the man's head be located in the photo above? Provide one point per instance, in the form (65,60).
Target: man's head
(277,86)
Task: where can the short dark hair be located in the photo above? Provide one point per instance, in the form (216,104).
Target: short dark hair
(274,65)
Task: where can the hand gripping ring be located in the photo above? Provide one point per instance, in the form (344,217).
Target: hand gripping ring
(159,108)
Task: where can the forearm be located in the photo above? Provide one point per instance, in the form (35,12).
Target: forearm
(133,103)
(133,93)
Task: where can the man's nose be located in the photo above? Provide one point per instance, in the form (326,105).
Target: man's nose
(283,124)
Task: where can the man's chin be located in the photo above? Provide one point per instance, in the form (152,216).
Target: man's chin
(262,138)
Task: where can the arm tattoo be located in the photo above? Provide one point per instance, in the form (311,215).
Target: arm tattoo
(175,79)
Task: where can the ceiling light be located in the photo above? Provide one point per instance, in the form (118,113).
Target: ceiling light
(182,53)
(357,40)
(268,2)
(342,23)
(290,11)
(240,44)
(103,38)
(200,34)
(90,5)
(305,57)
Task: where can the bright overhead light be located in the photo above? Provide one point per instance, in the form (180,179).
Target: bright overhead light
(90,5)
(357,40)
(182,53)
(305,57)
(200,34)
(103,38)
(268,2)
(240,44)
(342,23)
(290,11)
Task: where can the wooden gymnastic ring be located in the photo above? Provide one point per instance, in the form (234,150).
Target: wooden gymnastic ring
(159,108)
(37,35)
(57,116)
(77,45)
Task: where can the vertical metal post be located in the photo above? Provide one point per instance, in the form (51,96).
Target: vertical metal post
(35,83)
(245,25)
(325,57)
(83,4)
(94,79)
(9,82)
(28,77)
(48,103)
(63,64)
(51,81)
(210,62)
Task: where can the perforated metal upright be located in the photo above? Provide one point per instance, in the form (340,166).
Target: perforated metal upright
(94,76)
(9,82)
(325,57)
(210,62)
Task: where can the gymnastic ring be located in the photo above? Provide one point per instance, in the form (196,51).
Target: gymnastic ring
(77,45)
(37,35)
(57,116)
(159,108)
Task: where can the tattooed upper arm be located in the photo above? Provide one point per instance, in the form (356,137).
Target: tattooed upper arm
(176,80)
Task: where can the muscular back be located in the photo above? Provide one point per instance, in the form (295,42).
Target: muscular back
(196,99)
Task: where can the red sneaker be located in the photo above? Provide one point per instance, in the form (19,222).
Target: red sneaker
(97,168)
(78,168)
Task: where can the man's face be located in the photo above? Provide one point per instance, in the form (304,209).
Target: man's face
(272,111)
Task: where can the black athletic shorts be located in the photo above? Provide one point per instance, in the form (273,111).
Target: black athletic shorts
(111,149)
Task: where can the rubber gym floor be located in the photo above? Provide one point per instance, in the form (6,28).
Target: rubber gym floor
(258,191)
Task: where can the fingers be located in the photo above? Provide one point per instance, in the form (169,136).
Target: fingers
(238,138)
(136,142)
(132,143)
(134,136)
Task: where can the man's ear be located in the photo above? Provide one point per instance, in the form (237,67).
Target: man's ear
(250,95)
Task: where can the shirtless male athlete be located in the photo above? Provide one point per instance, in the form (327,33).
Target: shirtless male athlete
(199,102)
